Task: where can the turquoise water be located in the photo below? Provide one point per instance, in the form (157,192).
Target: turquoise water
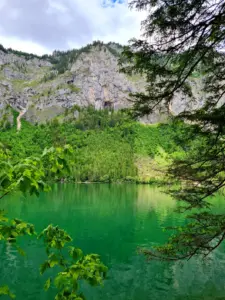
(113,221)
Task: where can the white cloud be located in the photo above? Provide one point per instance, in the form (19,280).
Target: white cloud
(42,26)
(2,3)
(25,46)
(109,22)
(57,6)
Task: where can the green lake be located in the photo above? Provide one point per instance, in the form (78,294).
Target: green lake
(113,221)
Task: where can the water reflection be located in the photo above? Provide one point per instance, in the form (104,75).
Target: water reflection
(112,220)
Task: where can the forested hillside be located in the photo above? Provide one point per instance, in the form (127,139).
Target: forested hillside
(108,146)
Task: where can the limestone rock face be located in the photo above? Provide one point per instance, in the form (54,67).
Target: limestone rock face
(9,59)
(93,78)
(97,76)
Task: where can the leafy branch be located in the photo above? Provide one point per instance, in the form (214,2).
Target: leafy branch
(30,176)
(74,269)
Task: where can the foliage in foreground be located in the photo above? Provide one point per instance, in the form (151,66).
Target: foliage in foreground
(184,39)
(78,267)
(29,175)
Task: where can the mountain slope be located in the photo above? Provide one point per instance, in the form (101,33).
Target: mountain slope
(92,77)
(42,88)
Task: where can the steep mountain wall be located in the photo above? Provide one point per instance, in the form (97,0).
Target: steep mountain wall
(92,79)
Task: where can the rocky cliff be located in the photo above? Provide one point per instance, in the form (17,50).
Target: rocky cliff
(34,86)
(41,88)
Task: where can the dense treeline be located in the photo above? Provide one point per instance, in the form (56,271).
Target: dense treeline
(105,143)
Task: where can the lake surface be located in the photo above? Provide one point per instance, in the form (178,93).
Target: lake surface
(113,221)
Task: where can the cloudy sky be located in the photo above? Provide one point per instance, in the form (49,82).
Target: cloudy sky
(41,26)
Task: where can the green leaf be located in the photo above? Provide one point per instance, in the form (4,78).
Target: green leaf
(4,290)
(53,260)
(47,284)
(44,267)
(2,216)
(21,251)
(75,253)
(61,280)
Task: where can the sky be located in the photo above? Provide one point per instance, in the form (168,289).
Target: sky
(41,26)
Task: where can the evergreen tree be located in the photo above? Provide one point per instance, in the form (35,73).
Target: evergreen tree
(180,39)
